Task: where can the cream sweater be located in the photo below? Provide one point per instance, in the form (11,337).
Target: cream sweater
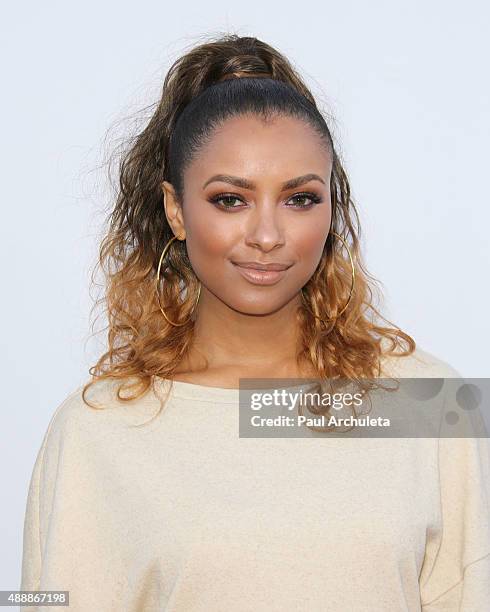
(183,515)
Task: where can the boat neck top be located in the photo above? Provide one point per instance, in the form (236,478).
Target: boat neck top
(185,515)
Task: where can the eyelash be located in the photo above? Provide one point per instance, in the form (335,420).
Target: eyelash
(312,196)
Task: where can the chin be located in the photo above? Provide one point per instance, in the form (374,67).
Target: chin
(257,307)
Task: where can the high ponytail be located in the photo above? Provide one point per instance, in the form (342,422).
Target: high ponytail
(214,81)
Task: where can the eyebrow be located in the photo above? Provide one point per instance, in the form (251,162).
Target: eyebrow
(246,184)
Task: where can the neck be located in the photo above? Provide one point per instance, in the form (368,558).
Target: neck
(227,337)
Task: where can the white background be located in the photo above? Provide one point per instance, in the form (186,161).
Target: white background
(407,83)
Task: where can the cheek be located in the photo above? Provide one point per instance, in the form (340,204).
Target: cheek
(309,245)
(211,238)
(308,240)
(208,244)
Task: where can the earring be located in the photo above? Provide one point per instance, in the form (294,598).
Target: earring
(351,287)
(162,256)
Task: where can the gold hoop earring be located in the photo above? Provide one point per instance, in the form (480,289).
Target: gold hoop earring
(162,256)
(351,287)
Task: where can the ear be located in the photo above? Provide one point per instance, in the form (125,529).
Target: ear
(173,211)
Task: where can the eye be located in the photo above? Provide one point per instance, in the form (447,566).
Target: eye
(314,199)
(225,201)
(225,197)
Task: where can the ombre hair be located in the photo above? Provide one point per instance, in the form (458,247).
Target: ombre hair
(200,92)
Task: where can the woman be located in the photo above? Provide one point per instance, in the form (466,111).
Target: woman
(234,254)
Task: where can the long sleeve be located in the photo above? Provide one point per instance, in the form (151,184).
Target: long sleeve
(37,506)
(456,571)
(76,537)
(31,558)
(41,498)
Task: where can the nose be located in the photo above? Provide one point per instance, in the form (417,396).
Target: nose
(264,228)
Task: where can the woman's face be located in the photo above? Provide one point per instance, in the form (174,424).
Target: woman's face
(239,209)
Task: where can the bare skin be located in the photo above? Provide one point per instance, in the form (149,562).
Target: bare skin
(244,329)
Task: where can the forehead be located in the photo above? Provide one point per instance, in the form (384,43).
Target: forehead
(247,146)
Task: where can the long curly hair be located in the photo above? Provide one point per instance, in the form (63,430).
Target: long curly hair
(200,91)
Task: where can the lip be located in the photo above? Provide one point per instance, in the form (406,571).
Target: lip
(261,277)
(256,265)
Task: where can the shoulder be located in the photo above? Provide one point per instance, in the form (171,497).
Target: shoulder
(82,418)
(419,364)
